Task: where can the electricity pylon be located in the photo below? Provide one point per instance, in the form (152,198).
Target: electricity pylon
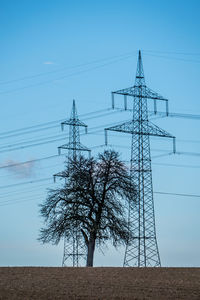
(141,248)
(74,250)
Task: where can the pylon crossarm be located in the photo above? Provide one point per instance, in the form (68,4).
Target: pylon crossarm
(167,136)
(72,122)
(125,93)
(133,91)
(148,129)
(76,147)
(150,94)
(128,91)
(154,130)
(142,92)
(126,127)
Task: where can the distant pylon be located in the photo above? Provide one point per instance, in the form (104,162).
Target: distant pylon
(142,248)
(74,250)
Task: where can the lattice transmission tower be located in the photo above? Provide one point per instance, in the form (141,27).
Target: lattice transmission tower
(142,248)
(74,250)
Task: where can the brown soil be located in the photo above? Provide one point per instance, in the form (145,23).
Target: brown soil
(99,283)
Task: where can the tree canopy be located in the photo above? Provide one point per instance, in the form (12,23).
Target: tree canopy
(92,200)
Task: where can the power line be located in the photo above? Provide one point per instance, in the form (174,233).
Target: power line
(28,128)
(160,164)
(64,68)
(51,137)
(162,155)
(188,141)
(176,165)
(16,202)
(31,141)
(161,150)
(173,58)
(30,131)
(178,194)
(26,182)
(170,114)
(38,172)
(180,115)
(30,161)
(40,159)
(32,145)
(188,153)
(39,180)
(96,128)
(63,77)
(25,190)
(51,122)
(127,137)
(172,52)
(37,127)
(157,156)
(94,62)
(11,202)
(45,128)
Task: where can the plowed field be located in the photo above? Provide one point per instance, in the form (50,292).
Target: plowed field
(99,283)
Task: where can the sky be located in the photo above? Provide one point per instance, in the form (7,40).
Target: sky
(55,51)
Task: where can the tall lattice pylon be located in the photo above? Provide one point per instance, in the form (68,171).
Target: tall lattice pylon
(141,249)
(74,250)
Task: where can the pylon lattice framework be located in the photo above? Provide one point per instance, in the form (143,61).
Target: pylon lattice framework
(142,248)
(74,250)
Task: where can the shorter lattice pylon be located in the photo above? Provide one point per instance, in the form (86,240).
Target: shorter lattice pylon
(75,249)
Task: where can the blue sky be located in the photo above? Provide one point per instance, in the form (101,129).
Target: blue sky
(55,51)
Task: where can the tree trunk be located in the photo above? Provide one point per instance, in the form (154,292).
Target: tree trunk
(90,254)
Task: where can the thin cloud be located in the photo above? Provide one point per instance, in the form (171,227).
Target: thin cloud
(18,169)
(48,63)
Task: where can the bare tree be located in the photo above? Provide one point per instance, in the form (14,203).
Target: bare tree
(93,200)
